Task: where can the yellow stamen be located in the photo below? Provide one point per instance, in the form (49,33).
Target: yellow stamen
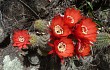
(58,29)
(21,39)
(81,49)
(72,20)
(84,29)
(61,47)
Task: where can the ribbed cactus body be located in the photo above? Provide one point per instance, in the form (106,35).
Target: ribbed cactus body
(103,40)
(34,40)
(39,40)
(41,25)
(43,40)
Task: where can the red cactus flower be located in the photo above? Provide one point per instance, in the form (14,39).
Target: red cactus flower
(58,29)
(21,38)
(86,29)
(72,16)
(82,49)
(63,48)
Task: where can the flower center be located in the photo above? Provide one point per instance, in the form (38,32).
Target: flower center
(61,47)
(84,29)
(58,29)
(21,38)
(72,20)
(81,49)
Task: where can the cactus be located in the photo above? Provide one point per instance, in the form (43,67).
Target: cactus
(41,25)
(40,41)
(43,47)
(103,40)
(34,40)
(43,40)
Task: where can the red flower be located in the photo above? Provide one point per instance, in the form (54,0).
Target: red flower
(21,38)
(63,47)
(82,49)
(58,28)
(86,29)
(72,16)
